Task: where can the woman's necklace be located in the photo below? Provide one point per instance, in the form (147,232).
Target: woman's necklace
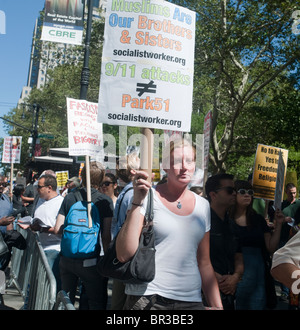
(179,205)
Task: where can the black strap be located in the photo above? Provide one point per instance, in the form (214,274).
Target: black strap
(78,196)
(149,211)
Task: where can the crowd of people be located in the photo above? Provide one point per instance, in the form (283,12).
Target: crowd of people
(212,252)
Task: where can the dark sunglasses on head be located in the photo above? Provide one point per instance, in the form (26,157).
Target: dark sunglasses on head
(106,183)
(229,190)
(3,184)
(250,192)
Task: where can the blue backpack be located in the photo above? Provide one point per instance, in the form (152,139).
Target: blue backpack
(78,240)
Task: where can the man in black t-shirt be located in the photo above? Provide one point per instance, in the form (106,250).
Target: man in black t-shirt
(225,252)
(29,194)
(72,269)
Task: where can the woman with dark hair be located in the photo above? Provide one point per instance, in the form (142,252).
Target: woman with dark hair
(257,241)
(109,186)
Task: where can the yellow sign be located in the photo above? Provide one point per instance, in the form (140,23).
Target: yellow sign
(156,175)
(61,178)
(265,170)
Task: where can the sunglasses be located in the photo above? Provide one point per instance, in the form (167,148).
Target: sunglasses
(229,190)
(250,192)
(40,187)
(3,184)
(106,183)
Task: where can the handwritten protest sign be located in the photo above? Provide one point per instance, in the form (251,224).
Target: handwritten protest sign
(61,178)
(147,65)
(12,149)
(84,132)
(265,170)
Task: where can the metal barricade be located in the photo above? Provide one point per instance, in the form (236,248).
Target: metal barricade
(63,302)
(31,274)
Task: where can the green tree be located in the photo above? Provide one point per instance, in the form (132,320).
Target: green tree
(241,47)
(272,120)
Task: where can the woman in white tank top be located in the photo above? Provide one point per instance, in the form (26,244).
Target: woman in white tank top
(182,224)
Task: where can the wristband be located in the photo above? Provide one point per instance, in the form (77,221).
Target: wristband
(135,204)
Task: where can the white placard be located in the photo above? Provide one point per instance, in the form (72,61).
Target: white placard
(12,149)
(84,132)
(147,65)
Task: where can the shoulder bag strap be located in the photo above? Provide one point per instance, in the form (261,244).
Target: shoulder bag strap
(122,201)
(149,210)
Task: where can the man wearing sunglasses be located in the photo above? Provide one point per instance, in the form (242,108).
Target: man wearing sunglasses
(6,208)
(225,250)
(47,207)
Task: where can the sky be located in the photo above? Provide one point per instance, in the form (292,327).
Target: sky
(15,48)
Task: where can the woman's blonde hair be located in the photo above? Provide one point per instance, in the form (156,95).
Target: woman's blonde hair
(171,146)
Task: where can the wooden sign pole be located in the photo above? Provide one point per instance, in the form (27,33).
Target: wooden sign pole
(11,180)
(147,151)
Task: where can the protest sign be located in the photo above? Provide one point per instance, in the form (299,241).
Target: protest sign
(12,149)
(61,178)
(63,21)
(84,132)
(147,65)
(265,170)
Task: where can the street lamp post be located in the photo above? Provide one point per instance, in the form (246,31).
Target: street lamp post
(85,73)
(34,128)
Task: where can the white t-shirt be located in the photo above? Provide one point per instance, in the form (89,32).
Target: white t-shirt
(177,238)
(47,211)
(289,253)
